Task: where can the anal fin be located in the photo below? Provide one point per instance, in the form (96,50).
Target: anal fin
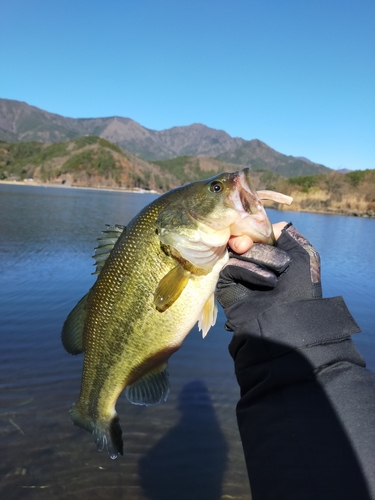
(150,389)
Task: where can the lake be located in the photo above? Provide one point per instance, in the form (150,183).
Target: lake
(187,448)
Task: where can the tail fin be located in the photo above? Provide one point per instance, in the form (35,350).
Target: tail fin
(107,433)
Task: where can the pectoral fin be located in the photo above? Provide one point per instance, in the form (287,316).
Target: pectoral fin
(209,315)
(72,332)
(170,288)
(151,388)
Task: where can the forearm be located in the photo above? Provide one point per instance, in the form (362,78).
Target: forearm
(303,403)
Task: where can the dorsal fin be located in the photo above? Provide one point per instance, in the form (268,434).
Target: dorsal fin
(151,388)
(106,242)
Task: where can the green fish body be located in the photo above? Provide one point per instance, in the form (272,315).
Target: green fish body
(156,279)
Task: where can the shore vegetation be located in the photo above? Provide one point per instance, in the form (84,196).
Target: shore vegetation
(94,162)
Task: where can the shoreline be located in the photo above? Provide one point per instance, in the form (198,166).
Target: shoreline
(69,186)
(345,213)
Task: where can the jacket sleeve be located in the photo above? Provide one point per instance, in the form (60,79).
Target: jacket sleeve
(306,415)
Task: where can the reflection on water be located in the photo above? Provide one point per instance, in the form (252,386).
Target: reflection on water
(188,443)
(190,459)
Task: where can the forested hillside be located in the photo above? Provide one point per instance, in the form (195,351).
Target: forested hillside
(95,162)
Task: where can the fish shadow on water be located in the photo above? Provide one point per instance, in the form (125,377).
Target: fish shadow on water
(190,460)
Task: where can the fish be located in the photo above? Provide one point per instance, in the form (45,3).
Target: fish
(156,279)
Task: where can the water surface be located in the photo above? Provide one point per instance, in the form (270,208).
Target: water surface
(185,448)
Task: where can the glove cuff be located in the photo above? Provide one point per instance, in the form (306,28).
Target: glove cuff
(292,326)
(283,349)
(308,322)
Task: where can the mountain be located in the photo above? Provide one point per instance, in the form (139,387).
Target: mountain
(22,122)
(257,155)
(95,162)
(84,162)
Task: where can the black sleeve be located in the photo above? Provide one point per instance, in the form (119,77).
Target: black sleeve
(307,410)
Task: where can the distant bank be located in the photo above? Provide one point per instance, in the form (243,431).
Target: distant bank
(31,182)
(302,202)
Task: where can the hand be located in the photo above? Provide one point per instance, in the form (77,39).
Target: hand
(247,284)
(241,244)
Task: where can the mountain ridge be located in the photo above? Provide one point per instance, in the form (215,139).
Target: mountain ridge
(92,161)
(20,122)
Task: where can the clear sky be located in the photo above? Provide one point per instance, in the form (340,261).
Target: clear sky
(296,74)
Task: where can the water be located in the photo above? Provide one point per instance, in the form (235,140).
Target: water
(185,448)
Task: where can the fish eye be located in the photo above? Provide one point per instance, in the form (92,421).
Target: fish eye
(216,187)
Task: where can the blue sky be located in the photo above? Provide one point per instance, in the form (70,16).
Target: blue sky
(296,74)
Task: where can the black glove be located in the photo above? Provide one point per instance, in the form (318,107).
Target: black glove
(257,270)
(252,277)
(276,300)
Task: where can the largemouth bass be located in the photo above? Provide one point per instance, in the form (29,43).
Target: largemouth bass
(156,279)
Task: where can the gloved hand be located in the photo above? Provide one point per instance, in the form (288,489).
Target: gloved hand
(273,305)
(280,322)
(247,284)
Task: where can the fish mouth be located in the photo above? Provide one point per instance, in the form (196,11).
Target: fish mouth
(252,219)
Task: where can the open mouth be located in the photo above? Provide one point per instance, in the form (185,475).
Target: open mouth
(244,197)
(252,219)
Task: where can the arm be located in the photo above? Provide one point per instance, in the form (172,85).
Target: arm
(306,415)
